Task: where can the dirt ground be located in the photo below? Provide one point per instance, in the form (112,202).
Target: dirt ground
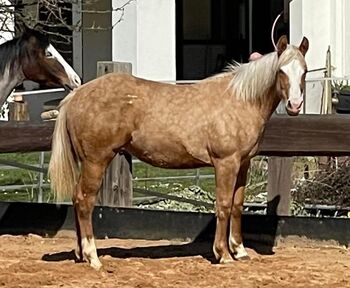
(32,261)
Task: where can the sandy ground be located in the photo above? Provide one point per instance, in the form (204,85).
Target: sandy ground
(32,261)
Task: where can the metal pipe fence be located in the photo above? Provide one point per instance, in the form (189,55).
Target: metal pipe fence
(41,169)
(249,207)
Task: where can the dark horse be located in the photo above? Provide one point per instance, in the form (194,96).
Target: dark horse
(217,122)
(32,57)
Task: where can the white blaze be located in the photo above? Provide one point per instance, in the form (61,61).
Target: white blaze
(294,71)
(73,76)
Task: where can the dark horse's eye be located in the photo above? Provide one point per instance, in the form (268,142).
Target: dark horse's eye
(48,54)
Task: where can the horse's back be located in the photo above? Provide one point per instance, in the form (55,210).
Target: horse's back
(123,95)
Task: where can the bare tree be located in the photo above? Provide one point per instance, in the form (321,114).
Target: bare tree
(53,16)
(56,19)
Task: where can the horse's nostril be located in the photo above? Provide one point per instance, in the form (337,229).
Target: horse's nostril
(77,81)
(294,104)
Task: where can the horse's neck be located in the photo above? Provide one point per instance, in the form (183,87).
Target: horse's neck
(11,73)
(8,83)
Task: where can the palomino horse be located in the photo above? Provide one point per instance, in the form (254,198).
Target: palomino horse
(217,122)
(32,57)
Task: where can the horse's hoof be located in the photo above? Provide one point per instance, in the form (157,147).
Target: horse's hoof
(243,258)
(226,260)
(96,264)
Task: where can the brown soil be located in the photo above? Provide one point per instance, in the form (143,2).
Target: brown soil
(32,261)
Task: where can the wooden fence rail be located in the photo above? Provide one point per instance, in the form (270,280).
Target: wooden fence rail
(305,135)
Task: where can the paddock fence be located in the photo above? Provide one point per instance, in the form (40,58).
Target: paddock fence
(305,135)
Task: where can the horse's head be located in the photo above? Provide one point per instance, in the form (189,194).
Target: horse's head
(291,74)
(43,64)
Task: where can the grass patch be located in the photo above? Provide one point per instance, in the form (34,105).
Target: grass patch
(10,176)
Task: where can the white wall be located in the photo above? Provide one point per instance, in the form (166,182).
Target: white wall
(124,42)
(324,23)
(146,38)
(340,37)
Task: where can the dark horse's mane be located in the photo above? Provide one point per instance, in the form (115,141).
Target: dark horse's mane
(15,49)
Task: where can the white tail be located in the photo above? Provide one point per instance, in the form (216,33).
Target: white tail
(63,166)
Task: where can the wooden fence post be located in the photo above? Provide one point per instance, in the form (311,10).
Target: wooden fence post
(116,189)
(279,184)
(18,110)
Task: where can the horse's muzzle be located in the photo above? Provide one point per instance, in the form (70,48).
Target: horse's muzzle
(294,107)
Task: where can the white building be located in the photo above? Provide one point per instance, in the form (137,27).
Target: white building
(146,38)
(148,35)
(192,39)
(326,23)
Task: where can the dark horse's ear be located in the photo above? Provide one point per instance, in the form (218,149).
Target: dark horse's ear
(22,27)
(282,44)
(304,46)
(39,27)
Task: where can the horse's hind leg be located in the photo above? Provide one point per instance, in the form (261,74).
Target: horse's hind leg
(84,200)
(235,239)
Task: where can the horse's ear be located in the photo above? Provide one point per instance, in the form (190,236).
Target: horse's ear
(282,44)
(304,46)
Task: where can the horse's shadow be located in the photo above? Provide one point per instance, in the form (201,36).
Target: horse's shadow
(200,246)
(152,252)
(194,248)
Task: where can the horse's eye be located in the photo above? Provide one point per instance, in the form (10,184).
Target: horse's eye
(48,54)
(282,72)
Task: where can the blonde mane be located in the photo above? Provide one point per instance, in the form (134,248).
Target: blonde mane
(251,80)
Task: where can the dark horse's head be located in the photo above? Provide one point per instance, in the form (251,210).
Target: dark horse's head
(31,57)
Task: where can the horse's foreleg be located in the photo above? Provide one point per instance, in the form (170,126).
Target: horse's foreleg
(235,239)
(225,177)
(84,201)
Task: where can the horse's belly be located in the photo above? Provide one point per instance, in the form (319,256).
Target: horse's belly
(166,152)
